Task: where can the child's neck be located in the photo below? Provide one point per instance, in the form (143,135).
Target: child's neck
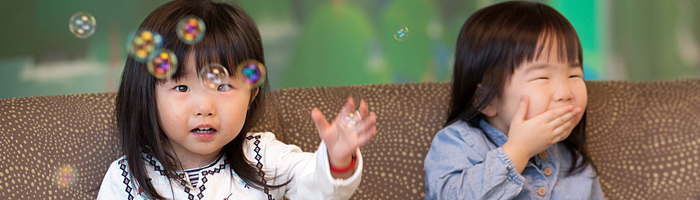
(503,127)
(193,163)
(190,160)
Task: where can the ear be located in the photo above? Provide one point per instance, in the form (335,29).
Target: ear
(490,110)
(252,96)
(255,94)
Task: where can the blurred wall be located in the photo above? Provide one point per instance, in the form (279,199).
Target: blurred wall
(335,42)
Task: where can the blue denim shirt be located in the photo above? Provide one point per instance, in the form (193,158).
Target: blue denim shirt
(465,162)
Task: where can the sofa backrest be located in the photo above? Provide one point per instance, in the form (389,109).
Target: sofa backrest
(56,147)
(643,138)
(408,115)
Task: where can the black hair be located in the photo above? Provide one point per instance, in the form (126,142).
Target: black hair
(231,37)
(492,43)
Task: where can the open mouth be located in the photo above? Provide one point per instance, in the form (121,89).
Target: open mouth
(204,130)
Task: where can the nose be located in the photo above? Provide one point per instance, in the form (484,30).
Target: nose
(562,92)
(204,107)
(204,113)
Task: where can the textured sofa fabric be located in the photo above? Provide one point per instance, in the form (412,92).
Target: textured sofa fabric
(644,138)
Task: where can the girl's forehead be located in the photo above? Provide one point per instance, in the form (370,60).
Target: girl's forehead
(186,70)
(189,69)
(551,56)
(189,66)
(550,49)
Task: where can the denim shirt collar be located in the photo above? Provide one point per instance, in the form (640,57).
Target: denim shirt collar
(495,135)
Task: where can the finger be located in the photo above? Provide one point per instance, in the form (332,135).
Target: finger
(367,123)
(369,119)
(568,116)
(361,128)
(551,115)
(320,121)
(364,136)
(363,109)
(367,136)
(346,109)
(561,137)
(351,103)
(562,132)
(521,111)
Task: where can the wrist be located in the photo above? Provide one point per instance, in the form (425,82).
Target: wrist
(340,167)
(339,161)
(516,150)
(517,156)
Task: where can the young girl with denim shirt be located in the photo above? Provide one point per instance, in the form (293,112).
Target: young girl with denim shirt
(516,122)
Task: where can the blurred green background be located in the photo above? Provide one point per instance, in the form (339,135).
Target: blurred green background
(327,43)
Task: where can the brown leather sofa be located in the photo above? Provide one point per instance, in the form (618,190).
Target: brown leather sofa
(644,138)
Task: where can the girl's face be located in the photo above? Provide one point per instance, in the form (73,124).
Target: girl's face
(549,82)
(198,123)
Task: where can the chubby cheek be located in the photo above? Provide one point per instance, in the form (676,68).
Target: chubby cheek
(581,95)
(167,116)
(537,105)
(236,118)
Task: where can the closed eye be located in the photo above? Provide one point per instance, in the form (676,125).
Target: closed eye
(575,76)
(540,78)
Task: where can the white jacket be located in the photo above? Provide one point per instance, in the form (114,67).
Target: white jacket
(309,172)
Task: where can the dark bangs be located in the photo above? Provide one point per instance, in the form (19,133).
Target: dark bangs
(227,41)
(497,39)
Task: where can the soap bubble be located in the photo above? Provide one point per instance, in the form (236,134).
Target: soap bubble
(143,44)
(401,33)
(82,25)
(162,64)
(352,118)
(251,73)
(191,29)
(65,176)
(214,77)
(350,121)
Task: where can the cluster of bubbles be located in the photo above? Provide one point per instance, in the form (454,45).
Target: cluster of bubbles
(65,176)
(82,25)
(145,47)
(401,33)
(143,44)
(250,74)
